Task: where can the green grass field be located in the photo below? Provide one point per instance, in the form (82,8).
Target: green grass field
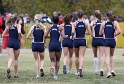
(27,71)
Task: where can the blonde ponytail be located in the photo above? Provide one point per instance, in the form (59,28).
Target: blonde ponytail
(38,23)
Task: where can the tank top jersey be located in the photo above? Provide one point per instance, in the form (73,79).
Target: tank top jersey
(68,30)
(109,30)
(13,33)
(80,29)
(55,33)
(38,35)
(96,28)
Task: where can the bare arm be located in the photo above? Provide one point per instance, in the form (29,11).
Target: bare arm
(101,28)
(29,33)
(61,28)
(117,28)
(73,30)
(88,29)
(4,33)
(19,30)
(46,33)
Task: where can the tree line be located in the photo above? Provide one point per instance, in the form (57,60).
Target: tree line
(32,7)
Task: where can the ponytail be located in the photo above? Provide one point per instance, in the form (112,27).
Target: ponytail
(80,14)
(38,23)
(110,16)
(97,14)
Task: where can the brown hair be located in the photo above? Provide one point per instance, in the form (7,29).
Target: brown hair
(37,19)
(18,18)
(68,18)
(11,20)
(97,14)
(80,14)
(110,16)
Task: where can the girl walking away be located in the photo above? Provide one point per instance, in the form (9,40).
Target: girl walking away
(38,31)
(67,43)
(79,28)
(109,27)
(21,22)
(55,46)
(13,43)
(97,42)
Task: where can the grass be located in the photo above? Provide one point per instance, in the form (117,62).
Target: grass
(27,71)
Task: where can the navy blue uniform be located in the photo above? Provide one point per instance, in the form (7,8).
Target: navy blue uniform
(109,30)
(67,42)
(55,44)
(38,41)
(13,38)
(98,39)
(80,35)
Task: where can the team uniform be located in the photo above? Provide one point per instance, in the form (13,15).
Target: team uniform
(55,44)
(80,35)
(14,41)
(38,41)
(67,42)
(98,39)
(109,38)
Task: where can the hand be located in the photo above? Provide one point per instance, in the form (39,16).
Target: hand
(71,37)
(92,35)
(66,36)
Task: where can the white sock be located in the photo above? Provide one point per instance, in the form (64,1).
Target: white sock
(0,55)
(80,68)
(101,69)
(96,64)
(112,71)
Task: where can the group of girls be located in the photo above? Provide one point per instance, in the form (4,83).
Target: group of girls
(72,36)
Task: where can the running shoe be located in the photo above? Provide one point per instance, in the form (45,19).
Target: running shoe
(101,73)
(108,75)
(113,73)
(41,72)
(52,71)
(8,73)
(64,69)
(55,78)
(81,74)
(16,76)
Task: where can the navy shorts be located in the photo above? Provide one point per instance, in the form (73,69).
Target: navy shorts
(79,42)
(97,42)
(109,43)
(38,47)
(67,43)
(14,44)
(55,46)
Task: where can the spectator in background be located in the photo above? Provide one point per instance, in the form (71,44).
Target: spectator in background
(55,14)
(20,21)
(60,18)
(1,31)
(26,16)
(104,19)
(75,16)
(6,38)
(28,20)
(86,19)
(46,19)
(91,18)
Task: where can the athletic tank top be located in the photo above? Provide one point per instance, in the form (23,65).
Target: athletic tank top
(38,35)
(68,30)
(96,29)
(80,29)
(13,32)
(54,33)
(109,30)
